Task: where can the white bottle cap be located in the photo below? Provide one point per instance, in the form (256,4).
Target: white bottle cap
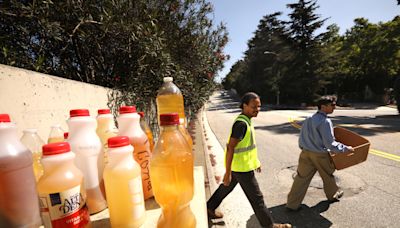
(168,79)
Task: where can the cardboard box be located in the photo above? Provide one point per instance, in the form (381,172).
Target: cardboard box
(359,143)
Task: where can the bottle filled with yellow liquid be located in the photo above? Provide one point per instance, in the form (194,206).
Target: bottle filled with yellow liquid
(146,128)
(129,125)
(34,143)
(170,99)
(62,194)
(56,134)
(171,169)
(123,183)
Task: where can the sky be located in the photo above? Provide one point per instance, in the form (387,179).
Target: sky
(241,17)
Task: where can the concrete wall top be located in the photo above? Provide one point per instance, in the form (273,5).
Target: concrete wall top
(35,100)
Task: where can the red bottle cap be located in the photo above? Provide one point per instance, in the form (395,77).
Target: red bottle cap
(141,114)
(5,118)
(118,141)
(169,119)
(56,148)
(127,109)
(103,111)
(66,135)
(78,112)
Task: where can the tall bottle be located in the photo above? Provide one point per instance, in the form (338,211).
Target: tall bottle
(129,125)
(34,143)
(171,170)
(105,127)
(19,205)
(123,182)
(87,147)
(61,189)
(56,134)
(145,127)
(170,99)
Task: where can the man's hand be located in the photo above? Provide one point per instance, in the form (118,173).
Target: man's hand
(350,148)
(258,170)
(227,179)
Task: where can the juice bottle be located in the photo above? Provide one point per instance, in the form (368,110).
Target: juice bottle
(87,147)
(34,143)
(170,99)
(61,189)
(129,125)
(171,171)
(123,182)
(145,127)
(19,205)
(56,134)
(105,127)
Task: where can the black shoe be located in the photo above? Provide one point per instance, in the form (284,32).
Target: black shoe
(336,197)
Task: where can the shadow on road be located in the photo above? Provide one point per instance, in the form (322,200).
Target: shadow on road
(307,217)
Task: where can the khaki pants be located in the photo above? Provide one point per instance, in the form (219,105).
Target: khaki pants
(309,163)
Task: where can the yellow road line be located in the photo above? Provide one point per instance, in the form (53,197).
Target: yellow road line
(371,151)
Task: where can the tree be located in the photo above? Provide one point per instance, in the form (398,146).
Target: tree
(123,44)
(302,82)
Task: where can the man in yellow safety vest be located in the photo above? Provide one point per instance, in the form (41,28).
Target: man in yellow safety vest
(240,161)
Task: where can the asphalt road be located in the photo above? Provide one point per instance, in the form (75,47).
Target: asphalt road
(371,189)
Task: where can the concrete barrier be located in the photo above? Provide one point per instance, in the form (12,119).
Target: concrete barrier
(35,100)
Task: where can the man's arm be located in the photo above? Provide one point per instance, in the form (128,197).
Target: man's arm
(326,130)
(228,159)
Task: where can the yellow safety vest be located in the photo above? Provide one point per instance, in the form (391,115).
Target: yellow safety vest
(245,157)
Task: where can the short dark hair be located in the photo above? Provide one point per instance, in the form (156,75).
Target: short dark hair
(324,100)
(247,98)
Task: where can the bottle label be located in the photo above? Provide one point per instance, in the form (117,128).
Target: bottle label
(135,188)
(64,209)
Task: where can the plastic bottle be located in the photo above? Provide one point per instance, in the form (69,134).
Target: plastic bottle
(129,125)
(61,189)
(56,134)
(105,126)
(34,143)
(123,182)
(171,169)
(145,127)
(170,99)
(19,205)
(87,147)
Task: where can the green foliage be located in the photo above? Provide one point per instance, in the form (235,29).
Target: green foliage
(287,60)
(128,45)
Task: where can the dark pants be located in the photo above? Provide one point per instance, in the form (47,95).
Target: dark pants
(249,184)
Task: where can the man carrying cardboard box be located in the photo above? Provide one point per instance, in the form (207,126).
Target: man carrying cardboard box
(316,141)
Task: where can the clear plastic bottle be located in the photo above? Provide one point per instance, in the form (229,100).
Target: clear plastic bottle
(34,143)
(105,126)
(123,182)
(170,99)
(19,205)
(171,169)
(145,127)
(89,158)
(61,189)
(56,134)
(129,125)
